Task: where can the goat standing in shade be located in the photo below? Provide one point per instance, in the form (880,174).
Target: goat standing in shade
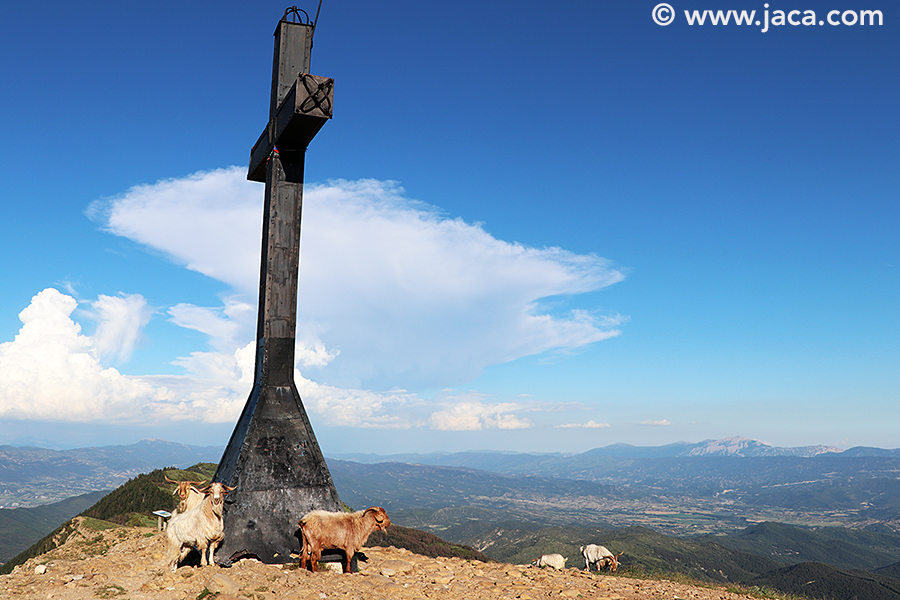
(339,531)
(201,527)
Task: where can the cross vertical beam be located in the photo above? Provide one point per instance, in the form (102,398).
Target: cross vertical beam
(273,459)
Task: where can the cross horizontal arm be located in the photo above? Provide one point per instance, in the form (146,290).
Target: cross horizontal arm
(300,116)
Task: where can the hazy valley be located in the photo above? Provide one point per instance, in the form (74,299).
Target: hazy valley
(724,511)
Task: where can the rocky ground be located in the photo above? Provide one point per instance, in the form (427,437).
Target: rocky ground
(129,564)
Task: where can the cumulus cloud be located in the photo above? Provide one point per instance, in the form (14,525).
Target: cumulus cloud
(662,423)
(52,371)
(471,412)
(588,425)
(392,294)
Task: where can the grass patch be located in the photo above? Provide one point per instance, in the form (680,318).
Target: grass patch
(95,546)
(110,591)
(98,524)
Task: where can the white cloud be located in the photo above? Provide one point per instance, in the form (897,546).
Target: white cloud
(52,371)
(222,331)
(357,408)
(391,293)
(392,297)
(121,320)
(588,425)
(471,413)
(210,222)
(662,423)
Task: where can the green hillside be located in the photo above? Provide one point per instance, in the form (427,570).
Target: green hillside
(645,551)
(22,527)
(424,543)
(131,503)
(840,547)
(815,580)
(648,554)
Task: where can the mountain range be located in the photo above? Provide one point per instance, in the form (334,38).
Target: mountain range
(725,447)
(31,476)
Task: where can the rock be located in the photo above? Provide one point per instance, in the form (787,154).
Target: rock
(223,584)
(40,569)
(393,567)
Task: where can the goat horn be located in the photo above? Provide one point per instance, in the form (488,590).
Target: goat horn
(167,479)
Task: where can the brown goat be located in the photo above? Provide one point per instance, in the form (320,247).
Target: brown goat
(339,531)
(188,495)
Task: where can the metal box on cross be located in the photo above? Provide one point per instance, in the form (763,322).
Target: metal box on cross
(273,459)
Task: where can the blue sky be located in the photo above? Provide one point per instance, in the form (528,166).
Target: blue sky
(529,226)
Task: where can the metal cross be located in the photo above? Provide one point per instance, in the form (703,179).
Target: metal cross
(273,458)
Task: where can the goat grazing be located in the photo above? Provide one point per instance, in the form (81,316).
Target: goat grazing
(339,531)
(200,527)
(189,496)
(551,560)
(600,557)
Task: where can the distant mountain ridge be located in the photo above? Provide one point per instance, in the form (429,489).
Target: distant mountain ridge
(740,446)
(32,476)
(731,446)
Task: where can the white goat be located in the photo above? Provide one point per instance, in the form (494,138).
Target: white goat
(551,560)
(200,527)
(340,531)
(599,556)
(188,495)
